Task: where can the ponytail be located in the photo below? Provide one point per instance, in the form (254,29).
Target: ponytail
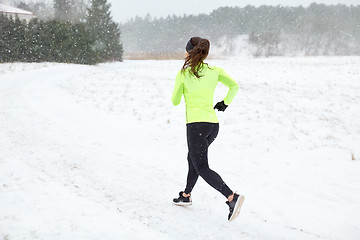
(196,55)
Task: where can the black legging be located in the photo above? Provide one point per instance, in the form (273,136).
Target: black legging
(199,137)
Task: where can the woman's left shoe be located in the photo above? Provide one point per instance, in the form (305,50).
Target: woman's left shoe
(182,201)
(235,206)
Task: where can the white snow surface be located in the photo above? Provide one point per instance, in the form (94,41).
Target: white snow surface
(98,152)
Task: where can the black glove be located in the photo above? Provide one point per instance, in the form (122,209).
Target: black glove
(221,106)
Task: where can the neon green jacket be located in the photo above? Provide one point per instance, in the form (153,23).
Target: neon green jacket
(199,92)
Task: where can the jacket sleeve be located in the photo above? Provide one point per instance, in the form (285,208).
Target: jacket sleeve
(230,83)
(178,89)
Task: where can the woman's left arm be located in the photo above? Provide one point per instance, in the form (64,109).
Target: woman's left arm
(178,89)
(230,83)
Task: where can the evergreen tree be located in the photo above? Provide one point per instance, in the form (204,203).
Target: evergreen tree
(10,38)
(5,40)
(82,52)
(34,41)
(52,41)
(18,45)
(104,32)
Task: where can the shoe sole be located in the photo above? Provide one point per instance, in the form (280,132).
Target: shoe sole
(182,203)
(238,205)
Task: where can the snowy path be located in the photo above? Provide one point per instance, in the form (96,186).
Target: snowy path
(98,152)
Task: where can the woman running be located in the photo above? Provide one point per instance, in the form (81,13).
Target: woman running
(197,82)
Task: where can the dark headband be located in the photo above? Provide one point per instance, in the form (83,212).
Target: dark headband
(189,46)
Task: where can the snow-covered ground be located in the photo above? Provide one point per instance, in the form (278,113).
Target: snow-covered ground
(98,152)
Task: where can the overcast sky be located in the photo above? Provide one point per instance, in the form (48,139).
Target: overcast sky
(124,10)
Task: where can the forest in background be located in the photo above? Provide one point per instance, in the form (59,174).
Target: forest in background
(316,30)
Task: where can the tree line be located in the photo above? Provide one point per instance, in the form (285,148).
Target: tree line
(88,39)
(318,29)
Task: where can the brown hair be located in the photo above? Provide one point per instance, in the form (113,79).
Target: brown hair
(195,58)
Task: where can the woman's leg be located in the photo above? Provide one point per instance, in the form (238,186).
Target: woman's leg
(200,136)
(192,176)
(213,134)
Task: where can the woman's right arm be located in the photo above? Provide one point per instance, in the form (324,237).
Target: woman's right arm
(178,89)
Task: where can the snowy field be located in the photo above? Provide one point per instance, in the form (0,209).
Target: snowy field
(98,152)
